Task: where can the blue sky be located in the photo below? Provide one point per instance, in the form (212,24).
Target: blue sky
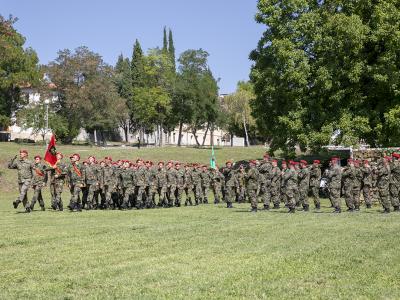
(224,28)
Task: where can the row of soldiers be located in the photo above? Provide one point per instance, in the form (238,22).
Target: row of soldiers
(124,184)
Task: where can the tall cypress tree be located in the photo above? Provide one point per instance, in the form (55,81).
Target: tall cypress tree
(137,66)
(165,41)
(171,48)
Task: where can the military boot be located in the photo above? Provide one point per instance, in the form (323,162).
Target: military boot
(337,210)
(28,209)
(368,205)
(205,201)
(386,211)
(43,208)
(318,206)
(306,207)
(266,207)
(396,208)
(292,210)
(357,208)
(254,209)
(60,206)
(16,203)
(276,206)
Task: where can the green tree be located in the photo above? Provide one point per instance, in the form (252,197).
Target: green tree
(86,93)
(18,68)
(171,48)
(320,64)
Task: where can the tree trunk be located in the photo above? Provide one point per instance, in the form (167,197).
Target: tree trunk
(245,132)
(205,134)
(95,136)
(180,134)
(161,136)
(212,135)
(231,139)
(195,136)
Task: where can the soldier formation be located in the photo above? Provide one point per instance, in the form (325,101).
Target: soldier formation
(142,184)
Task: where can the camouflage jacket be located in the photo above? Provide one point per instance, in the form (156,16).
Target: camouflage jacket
(205,178)
(24,168)
(383,179)
(335,177)
(109,178)
(196,178)
(39,174)
(252,178)
(188,178)
(92,174)
(161,177)
(75,174)
(171,176)
(230,177)
(304,178)
(180,177)
(315,176)
(141,176)
(367,176)
(290,179)
(126,178)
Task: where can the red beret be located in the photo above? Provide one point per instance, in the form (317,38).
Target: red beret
(108,158)
(266,155)
(388,158)
(77,155)
(396,155)
(284,162)
(316,161)
(303,162)
(59,153)
(23,151)
(229,162)
(38,156)
(274,161)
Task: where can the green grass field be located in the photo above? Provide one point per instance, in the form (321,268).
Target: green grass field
(204,252)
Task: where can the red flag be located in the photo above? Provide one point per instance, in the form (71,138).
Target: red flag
(51,152)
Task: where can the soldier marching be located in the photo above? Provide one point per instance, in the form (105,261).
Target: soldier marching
(124,184)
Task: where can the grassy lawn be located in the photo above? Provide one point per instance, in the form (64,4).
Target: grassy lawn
(205,252)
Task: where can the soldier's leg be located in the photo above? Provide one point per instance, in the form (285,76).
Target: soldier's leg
(58,188)
(348,196)
(35,196)
(89,199)
(252,193)
(275,197)
(53,195)
(394,196)
(205,194)
(23,195)
(367,195)
(75,200)
(315,194)
(291,200)
(335,193)
(304,198)
(385,199)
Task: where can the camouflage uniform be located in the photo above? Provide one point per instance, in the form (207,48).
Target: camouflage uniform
(152,184)
(252,180)
(265,169)
(230,182)
(171,185)
(24,168)
(289,179)
(109,184)
(304,184)
(188,186)
(367,184)
(357,187)
(127,185)
(180,185)
(335,183)
(59,175)
(162,187)
(383,183)
(196,179)
(205,184)
(315,181)
(92,184)
(141,184)
(216,182)
(76,177)
(275,186)
(38,181)
(395,183)
(241,185)
(348,177)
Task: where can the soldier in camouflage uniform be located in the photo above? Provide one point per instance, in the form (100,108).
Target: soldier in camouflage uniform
(188,185)
(127,183)
(109,182)
(84,189)
(230,182)
(92,182)
(152,184)
(216,182)
(141,184)
(241,184)
(118,198)
(348,178)
(296,188)
(383,183)
(367,183)
(289,178)
(58,176)
(304,184)
(265,169)
(196,179)
(334,176)
(180,183)
(395,181)
(38,182)
(357,185)
(171,183)
(315,181)
(162,185)
(24,167)
(205,183)
(252,178)
(75,179)
(275,185)
(282,187)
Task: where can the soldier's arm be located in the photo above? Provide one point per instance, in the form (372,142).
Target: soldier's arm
(12,164)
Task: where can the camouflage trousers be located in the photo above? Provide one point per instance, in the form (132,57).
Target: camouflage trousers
(303,195)
(290,197)
(171,194)
(394,194)
(127,192)
(230,194)
(252,193)
(91,191)
(275,193)
(75,195)
(58,186)
(162,195)
(384,197)
(108,191)
(140,196)
(240,194)
(334,196)
(217,192)
(349,196)
(152,195)
(265,194)
(180,189)
(356,196)
(314,190)
(198,192)
(23,188)
(37,195)
(204,190)
(367,194)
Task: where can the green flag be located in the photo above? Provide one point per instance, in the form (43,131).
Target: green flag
(212,159)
